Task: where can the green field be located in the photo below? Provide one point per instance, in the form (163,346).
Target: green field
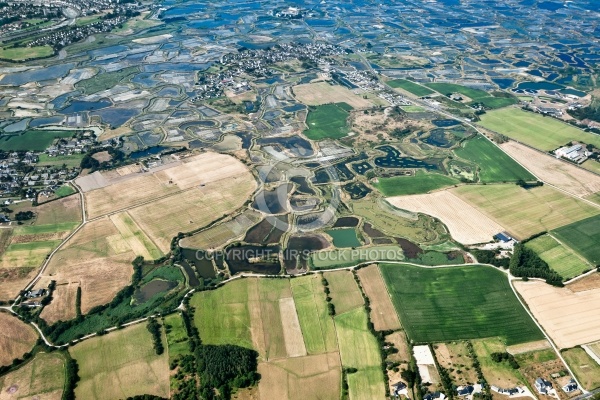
(494,164)
(421,182)
(50,228)
(64,191)
(445,304)
(177,338)
(583,237)
(414,88)
(412,109)
(70,161)
(222,316)
(31,140)
(125,356)
(584,367)
(42,377)
(448,88)
(316,324)
(560,258)
(495,373)
(359,349)
(106,80)
(24,53)
(544,133)
(327,121)
(496,102)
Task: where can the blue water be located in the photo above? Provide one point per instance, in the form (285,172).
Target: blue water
(43,74)
(80,106)
(151,151)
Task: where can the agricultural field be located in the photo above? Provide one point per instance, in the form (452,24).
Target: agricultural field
(328,259)
(583,237)
(177,339)
(359,349)
(559,173)
(383,314)
(286,321)
(422,229)
(40,378)
(421,182)
(570,318)
(525,212)
(592,165)
(559,257)
(533,129)
(28,245)
(465,223)
(345,294)
(494,164)
(585,368)
(476,95)
(24,53)
(63,305)
(327,121)
(411,87)
(455,358)
(501,374)
(125,356)
(97,258)
(434,306)
(16,338)
(31,140)
(319,93)
(134,237)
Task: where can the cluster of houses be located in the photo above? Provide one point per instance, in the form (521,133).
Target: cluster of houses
(32,298)
(545,387)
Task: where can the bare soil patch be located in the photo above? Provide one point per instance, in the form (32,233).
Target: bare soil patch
(314,94)
(570,318)
(102,156)
(383,313)
(589,282)
(466,224)
(294,341)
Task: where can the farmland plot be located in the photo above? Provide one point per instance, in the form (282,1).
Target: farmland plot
(318,93)
(42,378)
(16,338)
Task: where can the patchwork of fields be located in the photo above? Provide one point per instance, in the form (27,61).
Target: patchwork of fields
(525,212)
(16,338)
(444,304)
(125,356)
(583,237)
(42,378)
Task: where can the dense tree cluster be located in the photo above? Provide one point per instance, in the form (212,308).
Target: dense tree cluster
(490,257)
(527,264)
(500,357)
(154,329)
(590,112)
(24,215)
(72,377)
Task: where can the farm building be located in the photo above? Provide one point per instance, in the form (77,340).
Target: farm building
(574,153)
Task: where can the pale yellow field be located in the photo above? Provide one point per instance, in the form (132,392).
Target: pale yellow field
(553,171)
(120,365)
(314,94)
(62,306)
(192,209)
(525,212)
(466,224)
(134,237)
(383,313)
(569,318)
(292,334)
(301,378)
(16,338)
(42,378)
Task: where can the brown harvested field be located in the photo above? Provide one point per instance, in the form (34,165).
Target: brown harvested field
(62,306)
(525,212)
(308,377)
(455,358)
(383,313)
(559,173)
(292,334)
(67,209)
(345,294)
(41,378)
(466,224)
(589,282)
(570,318)
(102,156)
(314,94)
(125,194)
(162,219)
(16,338)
